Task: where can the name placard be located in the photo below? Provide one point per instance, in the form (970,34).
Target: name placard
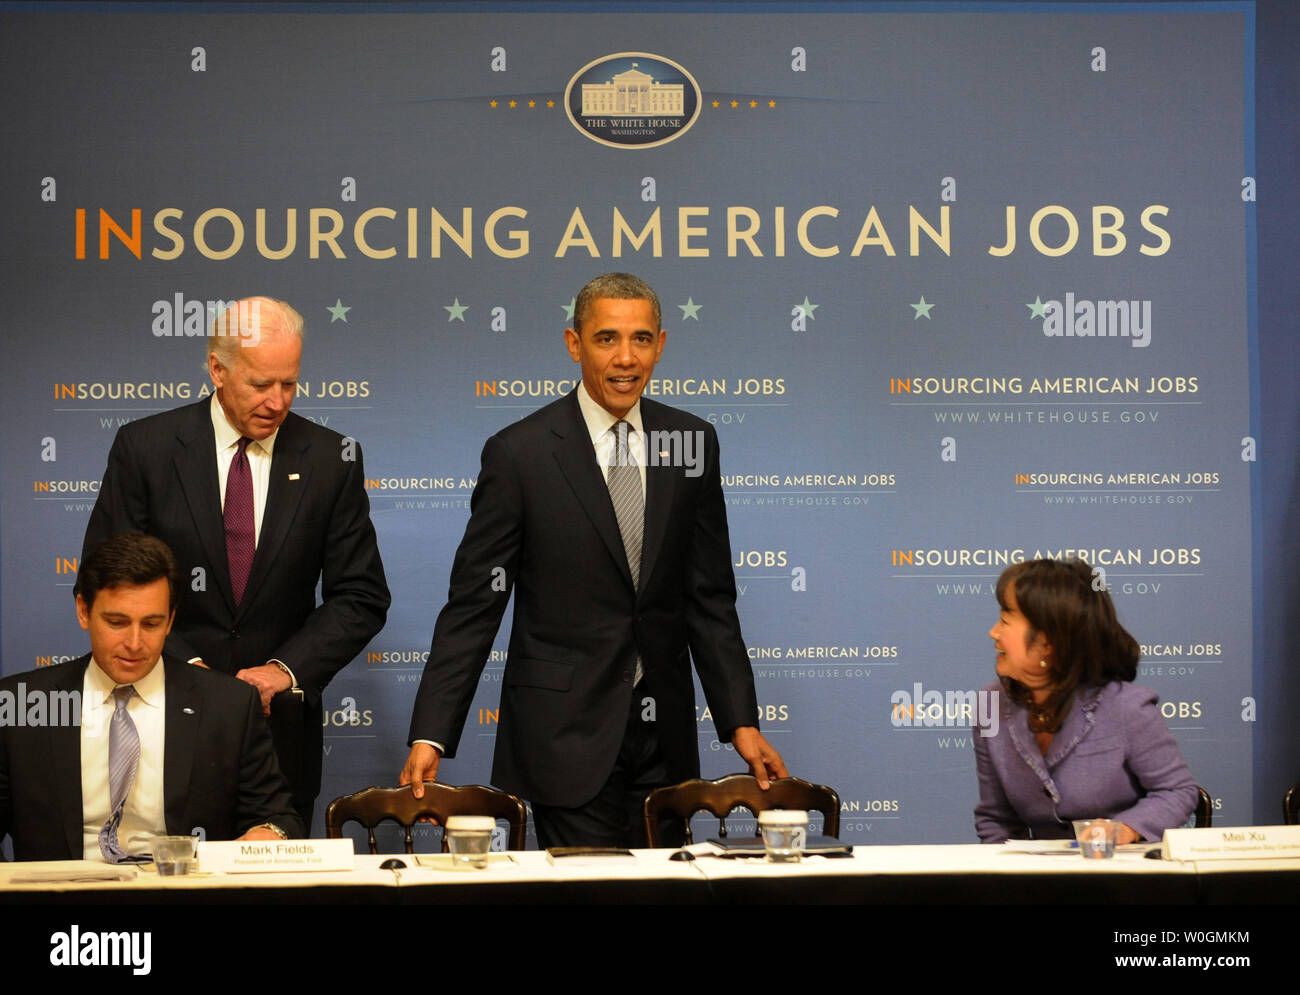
(252,856)
(1231,843)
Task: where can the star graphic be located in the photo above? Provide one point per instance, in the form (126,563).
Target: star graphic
(532,103)
(735,104)
(922,310)
(753,104)
(512,103)
(690,309)
(1037,309)
(492,103)
(568,308)
(338,312)
(455,310)
(808,308)
(715,104)
(771,103)
(550,103)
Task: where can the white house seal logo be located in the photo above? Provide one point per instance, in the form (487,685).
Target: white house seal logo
(632,100)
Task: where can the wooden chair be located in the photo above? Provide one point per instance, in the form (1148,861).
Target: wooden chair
(720,797)
(1291,805)
(1204,809)
(375,805)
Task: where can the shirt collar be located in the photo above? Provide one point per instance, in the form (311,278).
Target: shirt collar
(599,421)
(149,688)
(226,434)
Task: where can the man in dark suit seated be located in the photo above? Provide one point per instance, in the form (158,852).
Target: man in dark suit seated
(604,512)
(101,754)
(259,506)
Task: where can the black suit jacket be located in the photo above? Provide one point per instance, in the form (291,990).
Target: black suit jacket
(162,479)
(219,768)
(542,522)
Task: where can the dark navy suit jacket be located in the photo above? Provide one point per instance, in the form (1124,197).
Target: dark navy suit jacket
(162,479)
(219,767)
(542,522)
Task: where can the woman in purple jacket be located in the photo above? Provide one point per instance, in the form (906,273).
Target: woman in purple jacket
(1072,738)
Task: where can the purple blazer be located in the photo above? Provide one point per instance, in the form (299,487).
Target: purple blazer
(1114,758)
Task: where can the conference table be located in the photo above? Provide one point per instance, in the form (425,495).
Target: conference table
(962,874)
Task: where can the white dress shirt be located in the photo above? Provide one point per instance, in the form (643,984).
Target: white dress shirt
(143,816)
(599,422)
(259,462)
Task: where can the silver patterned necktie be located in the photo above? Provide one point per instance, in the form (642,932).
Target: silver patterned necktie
(629,508)
(123,762)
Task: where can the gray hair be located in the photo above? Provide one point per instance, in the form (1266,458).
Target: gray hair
(247,322)
(618,286)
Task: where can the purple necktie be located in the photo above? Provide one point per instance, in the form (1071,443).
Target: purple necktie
(238,515)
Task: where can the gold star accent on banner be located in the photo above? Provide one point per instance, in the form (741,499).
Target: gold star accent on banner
(735,104)
(771,103)
(753,104)
(492,103)
(532,103)
(512,103)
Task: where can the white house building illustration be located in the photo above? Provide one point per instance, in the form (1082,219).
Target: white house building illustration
(632,94)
